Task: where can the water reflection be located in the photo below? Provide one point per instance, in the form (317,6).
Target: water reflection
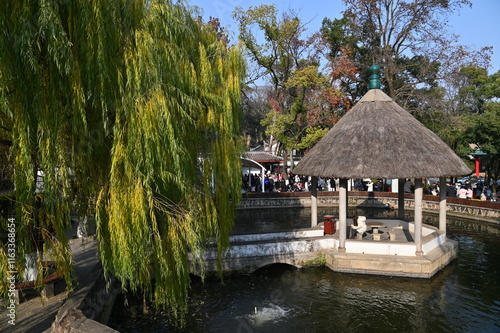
(269,220)
(464,297)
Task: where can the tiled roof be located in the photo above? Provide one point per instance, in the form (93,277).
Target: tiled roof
(260,156)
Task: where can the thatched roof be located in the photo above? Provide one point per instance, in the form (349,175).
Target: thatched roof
(379,139)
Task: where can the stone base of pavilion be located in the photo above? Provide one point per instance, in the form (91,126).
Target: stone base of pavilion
(377,254)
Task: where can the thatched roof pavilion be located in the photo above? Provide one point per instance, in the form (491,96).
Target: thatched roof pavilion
(379,139)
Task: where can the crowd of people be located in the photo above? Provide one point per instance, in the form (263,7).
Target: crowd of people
(468,190)
(278,182)
(460,189)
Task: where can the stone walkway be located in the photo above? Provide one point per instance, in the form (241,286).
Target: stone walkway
(36,315)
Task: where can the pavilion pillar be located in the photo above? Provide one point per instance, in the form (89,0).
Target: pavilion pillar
(347,199)
(314,201)
(418,216)
(249,180)
(442,204)
(401,198)
(342,214)
(262,180)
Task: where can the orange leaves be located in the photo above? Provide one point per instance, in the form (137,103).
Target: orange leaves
(342,67)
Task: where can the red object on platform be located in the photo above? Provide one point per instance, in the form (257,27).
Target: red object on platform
(329,224)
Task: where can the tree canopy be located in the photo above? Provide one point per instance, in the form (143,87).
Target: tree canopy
(425,68)
(303,97)
(482,122)
(410,40)
(130,110)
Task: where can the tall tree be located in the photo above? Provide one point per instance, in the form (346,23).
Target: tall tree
(340,40)
(300,95)
(130,109)
(278,55)
(409,39)
(483,124)
(255,108)
(473,90)
(319,104)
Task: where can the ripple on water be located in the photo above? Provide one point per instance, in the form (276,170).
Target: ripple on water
(272,313)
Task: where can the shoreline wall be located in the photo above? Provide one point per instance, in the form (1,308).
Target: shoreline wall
(89,308)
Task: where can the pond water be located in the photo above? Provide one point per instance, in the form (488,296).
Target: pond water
(464,297)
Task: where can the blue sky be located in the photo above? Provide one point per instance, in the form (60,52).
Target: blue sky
(478,26)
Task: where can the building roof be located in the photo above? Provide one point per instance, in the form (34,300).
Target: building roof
(263,157)
(379,139)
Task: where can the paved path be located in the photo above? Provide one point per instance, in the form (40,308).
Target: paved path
(37,315)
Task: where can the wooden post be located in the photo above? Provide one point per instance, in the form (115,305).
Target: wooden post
(342,213)
(418,216)
(442,204)
(314,201)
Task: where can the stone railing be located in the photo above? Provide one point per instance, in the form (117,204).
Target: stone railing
(463,207)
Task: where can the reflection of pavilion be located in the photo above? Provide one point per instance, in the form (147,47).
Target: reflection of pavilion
(379,139)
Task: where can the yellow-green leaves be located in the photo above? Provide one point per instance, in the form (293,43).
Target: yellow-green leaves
(131,111)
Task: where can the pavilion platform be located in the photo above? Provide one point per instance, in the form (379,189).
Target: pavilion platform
(396,257)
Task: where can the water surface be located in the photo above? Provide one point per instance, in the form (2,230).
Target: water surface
(464,297)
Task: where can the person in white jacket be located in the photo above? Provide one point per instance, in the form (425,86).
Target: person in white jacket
(462,193)
(359,224)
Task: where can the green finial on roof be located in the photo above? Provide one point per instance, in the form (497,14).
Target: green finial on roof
(374,78)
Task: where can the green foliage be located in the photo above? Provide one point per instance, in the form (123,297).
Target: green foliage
(491,88)
(484,130)
(339,34)
(278,125)
(320,260)
(483,127)
(299,95)
(472,92)
(131,109)
(313,135)
(437,87)
(484,89)
(274,54)
(408,39)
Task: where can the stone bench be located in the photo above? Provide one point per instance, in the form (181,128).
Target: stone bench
(392,232)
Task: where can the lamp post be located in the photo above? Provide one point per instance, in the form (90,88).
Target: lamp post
(477,154)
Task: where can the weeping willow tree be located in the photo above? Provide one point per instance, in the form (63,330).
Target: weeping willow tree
(130,111)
